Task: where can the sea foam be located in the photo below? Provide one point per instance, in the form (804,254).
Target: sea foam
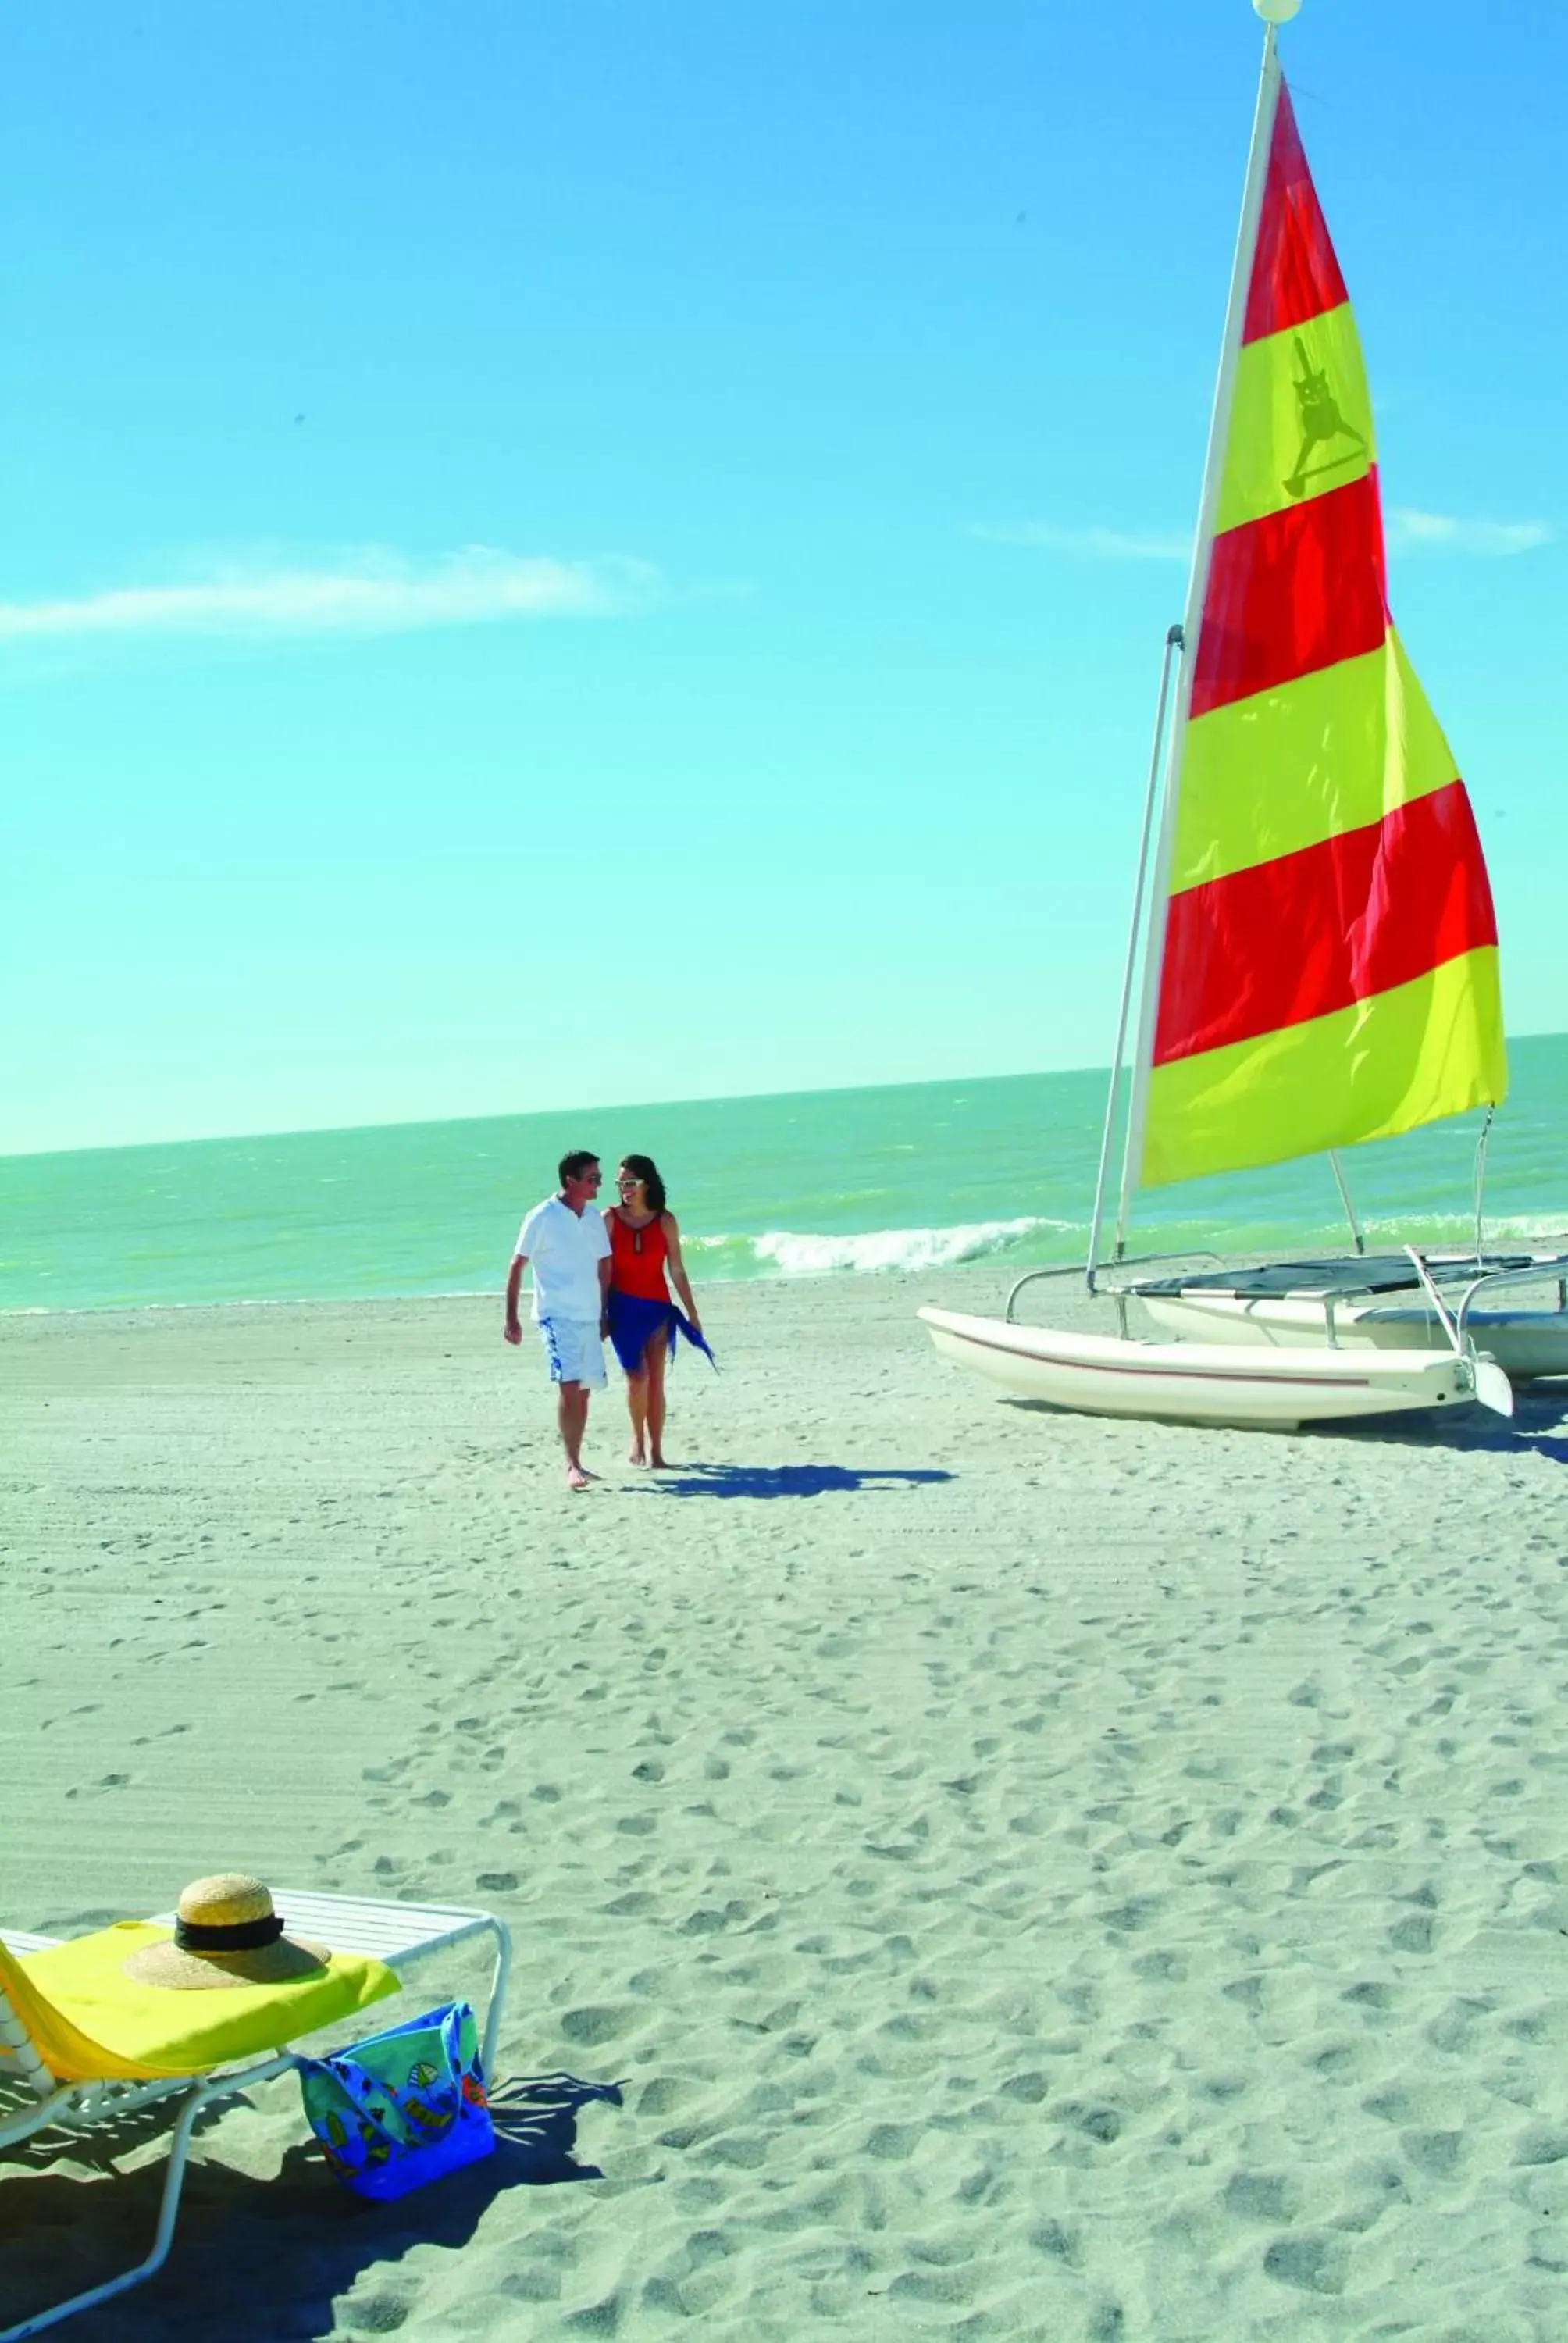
(790,1254)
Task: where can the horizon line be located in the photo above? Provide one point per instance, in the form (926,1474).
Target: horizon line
(616,1106)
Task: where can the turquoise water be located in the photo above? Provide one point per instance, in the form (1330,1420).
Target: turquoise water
(915,1177)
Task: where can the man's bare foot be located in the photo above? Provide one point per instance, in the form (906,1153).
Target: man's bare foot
(659,1461)
(577,1478)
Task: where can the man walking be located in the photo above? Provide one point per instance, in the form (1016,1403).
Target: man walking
(566,1240)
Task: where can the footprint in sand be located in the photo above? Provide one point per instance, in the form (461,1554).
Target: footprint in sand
(598,2022)
(1314,2264)
(94,1789)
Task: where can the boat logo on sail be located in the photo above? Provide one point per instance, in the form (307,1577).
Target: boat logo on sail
(1322,423)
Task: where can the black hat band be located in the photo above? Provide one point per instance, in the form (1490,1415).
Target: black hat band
(239,1936)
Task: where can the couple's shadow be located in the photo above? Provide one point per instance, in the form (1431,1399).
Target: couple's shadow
(785,1480)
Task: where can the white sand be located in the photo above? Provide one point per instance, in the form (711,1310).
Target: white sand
(1032,1876)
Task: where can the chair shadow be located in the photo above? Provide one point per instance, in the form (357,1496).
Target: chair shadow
(535,2126)
(101,2146)
(263,2256)
(785,1480)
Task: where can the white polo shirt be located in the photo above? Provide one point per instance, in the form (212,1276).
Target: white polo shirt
(564,1250)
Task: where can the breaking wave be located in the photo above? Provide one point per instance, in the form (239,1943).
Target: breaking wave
(785,1252)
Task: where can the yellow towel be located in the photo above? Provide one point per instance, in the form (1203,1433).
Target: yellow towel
(90,2024)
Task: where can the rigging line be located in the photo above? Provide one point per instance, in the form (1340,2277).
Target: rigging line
(1173,646)
(1359,1241)
(1480,1188)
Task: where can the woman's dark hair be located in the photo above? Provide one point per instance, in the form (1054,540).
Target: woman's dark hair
(644,1168)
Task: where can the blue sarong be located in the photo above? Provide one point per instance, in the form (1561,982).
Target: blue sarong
(632,1321)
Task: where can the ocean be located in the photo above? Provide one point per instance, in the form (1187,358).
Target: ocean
(827,1182)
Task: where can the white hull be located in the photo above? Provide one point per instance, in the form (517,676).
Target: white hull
(1273,1386)
(1524,1342)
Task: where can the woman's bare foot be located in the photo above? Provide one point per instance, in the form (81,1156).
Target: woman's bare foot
(577,1478)
(636,1456)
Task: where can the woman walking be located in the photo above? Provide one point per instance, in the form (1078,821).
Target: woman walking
(644,1242)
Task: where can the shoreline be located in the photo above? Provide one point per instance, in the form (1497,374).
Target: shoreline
(989,1275)
(1029,1876)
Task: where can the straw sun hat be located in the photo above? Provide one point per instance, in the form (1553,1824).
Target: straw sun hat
(226,1934)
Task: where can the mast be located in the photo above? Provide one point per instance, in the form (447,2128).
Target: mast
(1135,930)
(1274,12)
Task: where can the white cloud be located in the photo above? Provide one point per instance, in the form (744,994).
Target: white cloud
(369,591)
(1410,531)
(1087,544)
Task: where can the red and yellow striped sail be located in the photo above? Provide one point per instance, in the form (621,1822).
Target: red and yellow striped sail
(1330,964)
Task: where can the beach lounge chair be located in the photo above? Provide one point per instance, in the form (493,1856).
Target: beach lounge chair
(55,2076)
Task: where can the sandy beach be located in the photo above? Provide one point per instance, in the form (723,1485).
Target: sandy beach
(1027,1876)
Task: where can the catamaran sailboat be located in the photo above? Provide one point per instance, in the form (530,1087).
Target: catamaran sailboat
(1320,957)
(1373,1299)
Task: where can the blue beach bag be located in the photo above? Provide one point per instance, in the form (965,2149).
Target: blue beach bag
(401,2107)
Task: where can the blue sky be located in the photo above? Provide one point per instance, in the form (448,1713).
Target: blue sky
(620,552)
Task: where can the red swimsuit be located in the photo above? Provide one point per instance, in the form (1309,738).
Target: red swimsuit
(637,1259)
